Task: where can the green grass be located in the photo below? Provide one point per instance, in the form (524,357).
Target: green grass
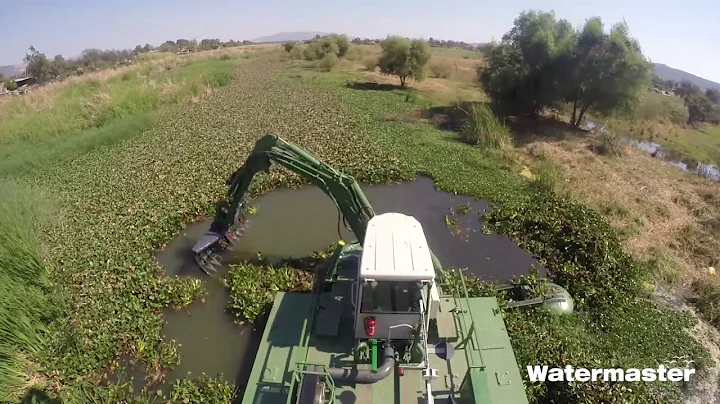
(95,103)
(700,145)
(662,119)
(27,301)
(460,53)
(82,117)
(658,107)
(481,128)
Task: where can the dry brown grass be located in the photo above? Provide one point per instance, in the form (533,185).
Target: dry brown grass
(662,212)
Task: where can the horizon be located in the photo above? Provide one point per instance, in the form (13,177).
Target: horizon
(68,30)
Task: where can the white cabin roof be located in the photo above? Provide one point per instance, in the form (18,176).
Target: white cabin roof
(395,248)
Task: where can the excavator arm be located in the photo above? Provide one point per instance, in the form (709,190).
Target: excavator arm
(230,217)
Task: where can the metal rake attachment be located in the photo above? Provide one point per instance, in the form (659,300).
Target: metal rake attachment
(211,248)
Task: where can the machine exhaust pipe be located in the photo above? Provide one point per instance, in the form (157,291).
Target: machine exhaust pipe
(364,376)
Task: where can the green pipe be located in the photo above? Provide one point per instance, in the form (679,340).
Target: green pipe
(373,354)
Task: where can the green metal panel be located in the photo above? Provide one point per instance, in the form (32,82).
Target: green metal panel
(279,350)
(501,382)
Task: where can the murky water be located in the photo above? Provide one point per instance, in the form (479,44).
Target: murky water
(298,222)
(674,159)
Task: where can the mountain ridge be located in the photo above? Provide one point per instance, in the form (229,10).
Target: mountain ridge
(665,72)
(288,36)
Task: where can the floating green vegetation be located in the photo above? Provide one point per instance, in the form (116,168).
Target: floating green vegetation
(464,208)
(253,287)
(203,389)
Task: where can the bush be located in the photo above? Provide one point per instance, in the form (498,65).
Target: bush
(707,299)
(354,54)
(546,176)
(288,46)
(441,70)
(370,63)
(341,42)
(311,52)
(326,46)
(329,62)
(610,144)
(11,85)
(482,128)
(297,52)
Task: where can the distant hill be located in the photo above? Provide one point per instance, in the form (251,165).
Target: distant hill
(288,37)
(11,70)
(665,72)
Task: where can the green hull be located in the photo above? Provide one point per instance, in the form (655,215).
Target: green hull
(482,369)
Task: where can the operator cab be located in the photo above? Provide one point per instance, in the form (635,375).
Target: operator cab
(395,289)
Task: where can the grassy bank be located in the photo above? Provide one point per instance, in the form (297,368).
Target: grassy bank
(663,119)
(75,118)
(27,302)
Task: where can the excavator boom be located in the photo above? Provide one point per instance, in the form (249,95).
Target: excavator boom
(230,217)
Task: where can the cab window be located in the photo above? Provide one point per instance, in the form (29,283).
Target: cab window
(391,296)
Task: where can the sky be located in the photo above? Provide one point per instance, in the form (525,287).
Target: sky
(684,35)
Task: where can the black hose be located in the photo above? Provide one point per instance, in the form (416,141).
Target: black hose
(364,376)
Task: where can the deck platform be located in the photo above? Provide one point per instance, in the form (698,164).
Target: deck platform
(480,366)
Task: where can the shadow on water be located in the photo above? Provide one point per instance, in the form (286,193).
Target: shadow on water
(298,222)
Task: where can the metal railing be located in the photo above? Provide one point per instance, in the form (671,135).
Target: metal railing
(301,370)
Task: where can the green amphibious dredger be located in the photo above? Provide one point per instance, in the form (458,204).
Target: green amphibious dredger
(381,324)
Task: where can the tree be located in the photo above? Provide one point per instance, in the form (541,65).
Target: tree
(522,73)
(10,85)
(404,58)
(699,108)
(608,72)
(686,88)
(38,66)
(713,95)
(543,62)
(2,77)
(342,42)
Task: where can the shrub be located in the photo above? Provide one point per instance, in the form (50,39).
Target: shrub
(441,70)
(707,299)
(610,144)
(355,53)
(328,62)
(288,46)
(311,52)
(546,176)
(326,46)
(298,52)
(11,85)
(482,128)
(370,63)
(341,42)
